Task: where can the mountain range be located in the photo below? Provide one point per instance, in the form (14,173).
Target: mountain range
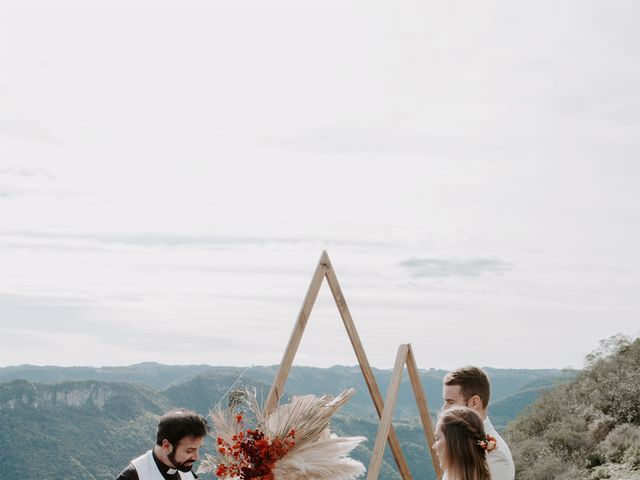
(87,423)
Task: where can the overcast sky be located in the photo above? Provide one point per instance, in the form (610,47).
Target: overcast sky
(170,173)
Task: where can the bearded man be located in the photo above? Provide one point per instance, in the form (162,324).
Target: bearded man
(180,435)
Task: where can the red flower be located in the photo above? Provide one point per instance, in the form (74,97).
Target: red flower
(253,455)
(489,444)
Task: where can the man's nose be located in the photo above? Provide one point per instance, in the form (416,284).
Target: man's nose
(196,455)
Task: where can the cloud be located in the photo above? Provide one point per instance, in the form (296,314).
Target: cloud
(17,123)
(454,267)
(41,330)
(172,240)
(374,140)
(4,193)
(18,180)
(25,172)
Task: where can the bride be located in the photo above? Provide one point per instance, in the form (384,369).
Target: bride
(462,445)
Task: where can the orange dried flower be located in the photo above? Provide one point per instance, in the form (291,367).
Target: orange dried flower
(253,455)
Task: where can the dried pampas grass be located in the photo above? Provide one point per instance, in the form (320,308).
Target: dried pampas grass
(317,453)
(325,458)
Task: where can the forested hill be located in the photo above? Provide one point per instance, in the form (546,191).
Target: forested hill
(588,428)
(89,428)
(526,383)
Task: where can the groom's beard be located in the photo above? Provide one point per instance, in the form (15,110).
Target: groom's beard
(182,466)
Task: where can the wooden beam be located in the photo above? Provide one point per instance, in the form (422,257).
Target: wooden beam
(423,409)
(385,421)
(294,341)
(365,367)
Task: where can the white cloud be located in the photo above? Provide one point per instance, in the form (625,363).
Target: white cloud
(470,176)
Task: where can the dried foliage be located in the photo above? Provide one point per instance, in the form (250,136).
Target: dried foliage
(292,442)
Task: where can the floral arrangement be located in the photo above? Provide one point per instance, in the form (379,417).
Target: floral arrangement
(252,455)
(292,442)
(489,444)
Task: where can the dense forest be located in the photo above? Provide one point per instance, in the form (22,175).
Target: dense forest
(84,423)
(588,428)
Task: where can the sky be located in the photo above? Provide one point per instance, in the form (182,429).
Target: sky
(170,173)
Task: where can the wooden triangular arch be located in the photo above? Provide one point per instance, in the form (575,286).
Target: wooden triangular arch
(325,270)
(404,357)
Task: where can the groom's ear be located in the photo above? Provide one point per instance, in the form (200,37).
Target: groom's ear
(475,402)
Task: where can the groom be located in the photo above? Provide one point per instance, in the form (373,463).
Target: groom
(180,435)
(469,387)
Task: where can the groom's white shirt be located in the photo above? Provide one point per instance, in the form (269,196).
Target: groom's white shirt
(499,460)
(147,469)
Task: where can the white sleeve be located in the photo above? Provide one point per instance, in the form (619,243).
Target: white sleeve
(500,466)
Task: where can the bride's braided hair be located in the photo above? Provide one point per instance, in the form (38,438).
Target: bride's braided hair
(463,430)
(456,418)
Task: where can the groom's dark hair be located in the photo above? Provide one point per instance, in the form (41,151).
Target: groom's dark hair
(178,424)
(472,381)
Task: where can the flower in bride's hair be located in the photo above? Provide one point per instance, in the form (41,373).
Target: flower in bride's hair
(489,443)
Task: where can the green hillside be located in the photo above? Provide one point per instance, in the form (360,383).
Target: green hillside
(588,428)
(90,429)
(507,408)
(74,430)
